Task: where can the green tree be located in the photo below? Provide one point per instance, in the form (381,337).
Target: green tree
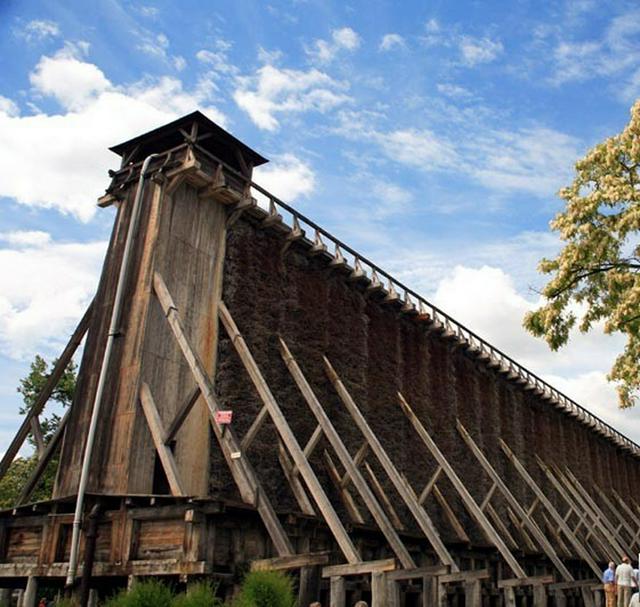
(22,467)
(596,275)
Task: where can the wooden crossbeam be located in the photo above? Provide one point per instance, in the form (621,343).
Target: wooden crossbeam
(370,501)
(627,510)
(487,498)
(470,503)
(291,562)
(581,551)
(45,393)
(243,474)
(623,521)
(181,415)
(450,515)
(517,524)
(345,495)
(358,458)
(430,485)
(602,518)
(582,511)
(360,568)
(312,443)
(255,427)
(523,516)
(157,434)
(47,454)
(294,481)
(382,497)
(287,436)
(402,487)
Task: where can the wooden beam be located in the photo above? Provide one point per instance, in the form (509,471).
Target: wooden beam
(402,487)
(370,501)
(429,486)
(527,581)
(50,449)
(337,592)
(286,434)
(181,415)
(291,562)
(450,515)
(382,497)
(623,521)
(364,567)
(47,389)
(345,495)
(417,573)
(470,504)
(521,513)
(358,458)
(581,551)
(253,430)
(487,498)
(294,482)
(157,434)
(463,576)
(243,474)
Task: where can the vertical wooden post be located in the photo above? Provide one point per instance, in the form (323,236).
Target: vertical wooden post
(509,596)
(539,596)
(309,587)
(587,597)
(429,591)
(394,598)
(337,592)
(560,598)
(5,597)
(31,592)
(379,590)
(473,594)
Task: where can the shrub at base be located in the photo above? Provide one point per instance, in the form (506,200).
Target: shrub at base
(266,589)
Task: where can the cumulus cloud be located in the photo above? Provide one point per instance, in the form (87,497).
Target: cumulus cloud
(391,41)
(287,177)
(275,91)
(68,150)
(36,314)
(453,90)
(419,148)
(479,50)
(324,51)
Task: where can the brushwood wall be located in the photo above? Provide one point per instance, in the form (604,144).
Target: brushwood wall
(378,351)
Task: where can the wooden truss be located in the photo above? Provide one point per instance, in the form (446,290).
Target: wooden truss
(31,422)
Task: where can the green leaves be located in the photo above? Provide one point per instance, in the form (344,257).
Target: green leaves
(599,266)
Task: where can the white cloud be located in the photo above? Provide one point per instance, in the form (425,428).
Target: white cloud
(479,50)
(68,150)
(287,177)
(157,46)
(453,90)
(8,107)
(391,41)
(391,197)
(40,29)
(324,51)
(37,314)
(418,148)
(275,91)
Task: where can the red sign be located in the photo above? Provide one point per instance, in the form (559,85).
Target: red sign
(223,417)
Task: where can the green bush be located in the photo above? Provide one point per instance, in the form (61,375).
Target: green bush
(66,602)
(200,594)
(266,589)
(149,593)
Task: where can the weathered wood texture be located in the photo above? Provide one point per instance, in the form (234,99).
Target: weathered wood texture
(182,237)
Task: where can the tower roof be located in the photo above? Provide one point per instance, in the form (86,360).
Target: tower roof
(208,135)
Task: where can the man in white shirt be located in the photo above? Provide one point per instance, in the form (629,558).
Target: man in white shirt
(624,582)
(635,600)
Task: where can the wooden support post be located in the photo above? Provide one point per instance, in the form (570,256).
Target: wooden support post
(429,591)
(560,598)
(473,594)
(450,515)
(467,499)
(157,433)
(539,595)
(358,458)
(509,596)
(43,397)
(382,497)
(430,485)
(402,487)
(289,439)
(581,551)
(243,474)
(337,592)
(379,590)
(31,592)
(342,453)
(394,594)
(253,430)
(44,460)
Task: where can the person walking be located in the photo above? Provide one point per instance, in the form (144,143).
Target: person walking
(609,581)
(624,582)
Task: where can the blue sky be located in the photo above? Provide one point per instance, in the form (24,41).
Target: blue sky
(431,137)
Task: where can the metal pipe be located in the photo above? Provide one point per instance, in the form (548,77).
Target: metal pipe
(114,330)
